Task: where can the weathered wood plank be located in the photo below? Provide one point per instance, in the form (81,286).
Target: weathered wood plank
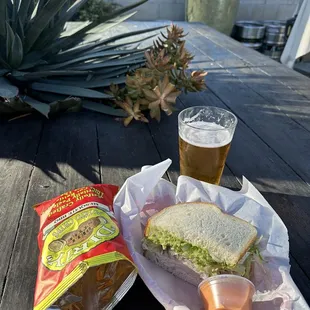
(281,98)
(165,134)
(68,142)
(19,141)
(300,279)
(278,183)
(122,155)
(269,67)
(165,137)
(123,151)
(167,145)
(67,158)
(279,131)
(276,128)
(291,79)
(126,150)
(259,167)
(287,138)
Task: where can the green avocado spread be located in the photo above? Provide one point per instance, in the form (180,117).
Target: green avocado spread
(196,255)
(200,258)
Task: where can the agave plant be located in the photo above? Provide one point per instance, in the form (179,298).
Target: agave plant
(48,67)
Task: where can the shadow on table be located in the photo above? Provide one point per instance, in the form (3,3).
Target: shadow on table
(88,146)
(79,146)
(56,147)
(98,148)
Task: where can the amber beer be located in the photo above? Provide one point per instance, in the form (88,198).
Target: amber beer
(205,135)
(203,163)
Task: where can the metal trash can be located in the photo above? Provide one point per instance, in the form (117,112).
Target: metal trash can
(249,30)
(273,51)
(275,32)
(254,45)
(275,26)
(275,38)
(249,33)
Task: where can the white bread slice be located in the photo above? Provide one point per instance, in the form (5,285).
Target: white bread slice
(225,237)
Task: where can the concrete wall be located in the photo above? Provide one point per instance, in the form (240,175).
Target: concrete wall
(249,9)
(266,9)
(158,9)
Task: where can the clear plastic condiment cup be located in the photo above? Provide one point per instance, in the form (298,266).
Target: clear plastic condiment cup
(227,292)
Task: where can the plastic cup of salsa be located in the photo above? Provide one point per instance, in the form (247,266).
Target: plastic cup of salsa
(227,292)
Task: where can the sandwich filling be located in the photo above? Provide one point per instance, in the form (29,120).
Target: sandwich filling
(199,259)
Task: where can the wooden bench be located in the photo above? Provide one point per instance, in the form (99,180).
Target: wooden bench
(40,159)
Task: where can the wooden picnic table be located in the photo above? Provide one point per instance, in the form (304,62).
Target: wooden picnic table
(40,158)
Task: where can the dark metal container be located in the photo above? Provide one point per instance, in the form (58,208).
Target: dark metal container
(249,30)
(254,45)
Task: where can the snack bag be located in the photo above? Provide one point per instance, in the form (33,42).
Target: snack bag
(84,262)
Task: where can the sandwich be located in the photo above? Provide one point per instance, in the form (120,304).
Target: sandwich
(197,240)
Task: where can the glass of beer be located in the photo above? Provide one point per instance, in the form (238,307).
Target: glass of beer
(205,135)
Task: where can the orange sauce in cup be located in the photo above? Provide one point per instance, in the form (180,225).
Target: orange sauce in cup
(227,292)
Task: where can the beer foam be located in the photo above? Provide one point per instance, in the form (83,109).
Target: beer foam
(205,134)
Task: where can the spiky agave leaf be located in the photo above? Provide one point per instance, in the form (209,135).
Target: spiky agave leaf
(39,57)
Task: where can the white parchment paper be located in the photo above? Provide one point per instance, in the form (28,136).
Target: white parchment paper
(146,193)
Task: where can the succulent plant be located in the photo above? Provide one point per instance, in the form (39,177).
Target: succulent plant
(160,62)
(162,97)
(133,111)
(137,84)
(175,35)
(157,86)
(49,67)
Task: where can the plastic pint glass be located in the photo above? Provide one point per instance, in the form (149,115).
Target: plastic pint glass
(205,135)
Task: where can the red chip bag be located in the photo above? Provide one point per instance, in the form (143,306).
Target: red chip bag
(84,262)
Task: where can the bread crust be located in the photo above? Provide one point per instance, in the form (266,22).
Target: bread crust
(206,204)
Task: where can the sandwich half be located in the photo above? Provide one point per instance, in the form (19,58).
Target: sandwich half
(197,240)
